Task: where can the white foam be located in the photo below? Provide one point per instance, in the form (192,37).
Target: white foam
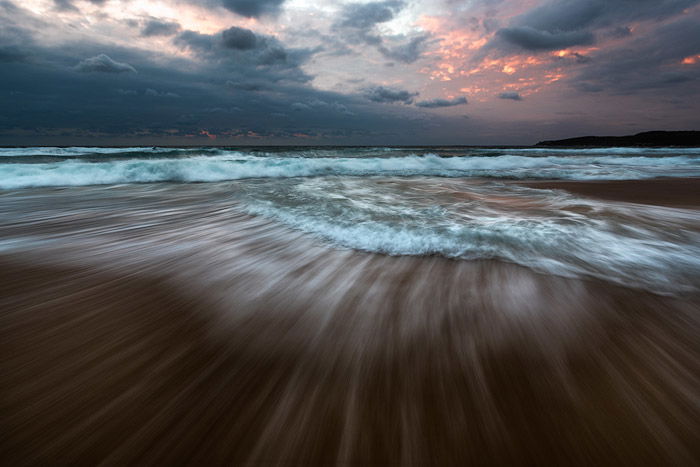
(652,247)
(238,165)
(71,151)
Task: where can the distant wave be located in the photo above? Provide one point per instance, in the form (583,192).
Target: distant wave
(76,151)
(330,151)
(200,167)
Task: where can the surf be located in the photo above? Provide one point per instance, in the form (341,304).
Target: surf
(198,166)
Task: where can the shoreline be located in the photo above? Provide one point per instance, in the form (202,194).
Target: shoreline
(315,356)
(169,326)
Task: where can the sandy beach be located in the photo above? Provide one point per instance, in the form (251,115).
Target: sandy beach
(278,350)
(676,192)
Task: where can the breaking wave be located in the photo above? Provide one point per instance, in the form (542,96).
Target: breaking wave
(20,171)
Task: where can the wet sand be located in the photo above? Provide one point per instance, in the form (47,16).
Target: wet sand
(264,347)
(676,192)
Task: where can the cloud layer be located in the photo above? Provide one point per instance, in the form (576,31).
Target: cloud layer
(437,103)
(345,72)
(253,8)
(389,95)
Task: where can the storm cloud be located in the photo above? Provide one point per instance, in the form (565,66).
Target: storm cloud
(655,62)
(533,39)
(407,52)
(513,96)
(253,8)
(389,95)
(15,44)
(221,86)
(155,27)
(365,16)
(247,56)
(239,38)
(437,103)
(561,24)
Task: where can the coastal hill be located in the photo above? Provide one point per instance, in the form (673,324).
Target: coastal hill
(648,139)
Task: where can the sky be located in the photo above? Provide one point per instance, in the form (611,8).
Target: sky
(317,72)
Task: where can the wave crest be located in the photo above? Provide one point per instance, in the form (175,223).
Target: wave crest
(239,165)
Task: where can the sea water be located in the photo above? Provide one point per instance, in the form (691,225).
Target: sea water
(459,203)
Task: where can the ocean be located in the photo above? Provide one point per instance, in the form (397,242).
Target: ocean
(456,202)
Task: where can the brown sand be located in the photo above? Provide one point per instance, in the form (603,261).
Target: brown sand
(423,362)
(679,192)
(217,338)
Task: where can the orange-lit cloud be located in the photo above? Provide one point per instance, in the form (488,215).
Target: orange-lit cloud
(573,53)
(692,60)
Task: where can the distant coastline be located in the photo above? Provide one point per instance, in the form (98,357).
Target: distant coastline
(646,139)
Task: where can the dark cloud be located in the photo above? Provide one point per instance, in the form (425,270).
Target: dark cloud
(15,44)
(435,103)
(243,50)
(196,41)
(561,24)
(650,62)
(513,96)
(239,38)
(389,95)
(64,5)
(408,52)
(365,16)
(273,55)
(574,15)
(253,8)
(230,92)
(155,27)
(244,60)
(620,31)
(60,107)
(103,64)
(565,16)
(533,39)
(11,54)
(323,106)
(67,5)
(357,23)
(580,58)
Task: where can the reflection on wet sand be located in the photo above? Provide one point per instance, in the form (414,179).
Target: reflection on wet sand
(128,336)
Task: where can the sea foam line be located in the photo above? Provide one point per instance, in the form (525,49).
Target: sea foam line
(240,166)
